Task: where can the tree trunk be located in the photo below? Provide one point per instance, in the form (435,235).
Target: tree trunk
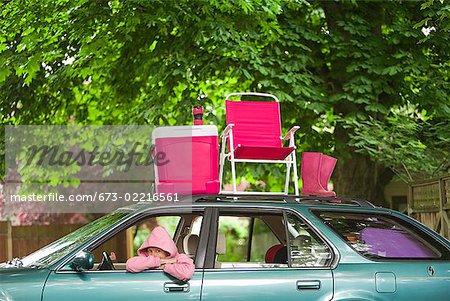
(356,175)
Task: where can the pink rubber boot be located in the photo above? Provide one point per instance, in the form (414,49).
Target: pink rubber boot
(315,176)
(327,166)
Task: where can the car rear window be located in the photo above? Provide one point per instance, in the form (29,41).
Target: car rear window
(382,236)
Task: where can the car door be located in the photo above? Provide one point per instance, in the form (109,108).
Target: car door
(66,284)
(295,265)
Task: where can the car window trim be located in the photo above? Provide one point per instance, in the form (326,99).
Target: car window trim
(250,237)
(201,254)
(113,271)
(210,256)
(210,244)
(288,239)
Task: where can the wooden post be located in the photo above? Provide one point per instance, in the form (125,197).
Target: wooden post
(6,232)
(130,243)
(9,240)
(446,183)
(410,200)
(442,212)
(445,220)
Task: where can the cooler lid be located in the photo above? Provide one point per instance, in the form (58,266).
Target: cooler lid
(184,131)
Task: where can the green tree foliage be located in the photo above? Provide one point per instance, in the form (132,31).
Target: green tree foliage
(367,81)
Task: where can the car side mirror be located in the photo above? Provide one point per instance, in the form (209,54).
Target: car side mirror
(83,261)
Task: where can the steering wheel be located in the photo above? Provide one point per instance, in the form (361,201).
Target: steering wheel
(106,263)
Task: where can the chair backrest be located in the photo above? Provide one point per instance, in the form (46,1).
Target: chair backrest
(281,255)
(190,244)
(256,123)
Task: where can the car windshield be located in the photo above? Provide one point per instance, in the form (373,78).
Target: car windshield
(66,244)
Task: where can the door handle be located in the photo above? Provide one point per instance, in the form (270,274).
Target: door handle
(308,284)
(170,287)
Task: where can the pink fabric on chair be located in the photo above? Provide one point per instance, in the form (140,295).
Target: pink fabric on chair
(254,130)
(262,153)
(257,123)
(257,130)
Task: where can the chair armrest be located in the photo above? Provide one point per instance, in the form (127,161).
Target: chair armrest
(227,130)
(291,132)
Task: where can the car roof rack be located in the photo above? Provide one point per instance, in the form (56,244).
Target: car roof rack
(260,198)
(289,199)
(336,201)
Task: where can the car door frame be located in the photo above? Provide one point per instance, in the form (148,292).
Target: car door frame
(213,232)
(132,219)
(126,223)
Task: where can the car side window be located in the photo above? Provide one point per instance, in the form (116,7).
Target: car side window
(125,244)
(244,240)
(305,246)
(264,240)
(384,237)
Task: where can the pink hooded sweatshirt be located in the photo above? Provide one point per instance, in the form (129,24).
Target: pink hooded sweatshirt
(183,269)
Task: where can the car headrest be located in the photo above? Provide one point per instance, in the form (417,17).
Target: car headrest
(276,254)
(221,247)
(190,244)
(281,255)
(304,241)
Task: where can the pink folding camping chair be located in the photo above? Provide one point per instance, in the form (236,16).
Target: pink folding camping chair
(253,133)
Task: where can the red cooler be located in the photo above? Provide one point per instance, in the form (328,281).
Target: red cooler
(187,159)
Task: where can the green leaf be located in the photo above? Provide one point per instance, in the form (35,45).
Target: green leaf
(4,73)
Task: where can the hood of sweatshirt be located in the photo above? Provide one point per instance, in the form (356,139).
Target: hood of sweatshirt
(159,238)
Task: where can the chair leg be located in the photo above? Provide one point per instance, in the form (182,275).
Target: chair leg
(233,164)
(294,159)
(221,164)
(233,173)
(288,176)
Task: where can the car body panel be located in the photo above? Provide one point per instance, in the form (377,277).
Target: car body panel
(118,285)
(17,284)
(351,276)
(411,281)
(269,284)
(388,279)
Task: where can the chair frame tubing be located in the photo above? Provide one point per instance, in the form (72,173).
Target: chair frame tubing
(290,161)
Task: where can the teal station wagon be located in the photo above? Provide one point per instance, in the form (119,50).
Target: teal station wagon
(290,248)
